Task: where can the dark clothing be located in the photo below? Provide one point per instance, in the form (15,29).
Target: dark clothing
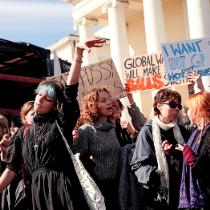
(200,170)
(137,118)
(123,136)
(129,190)
(13,196)
(2,195)
(54,184)
(144,164)
(100,142)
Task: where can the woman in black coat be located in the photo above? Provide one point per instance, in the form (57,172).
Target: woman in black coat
(54,183)
(156,163)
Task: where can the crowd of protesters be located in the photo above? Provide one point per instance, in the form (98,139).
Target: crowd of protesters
(146,164)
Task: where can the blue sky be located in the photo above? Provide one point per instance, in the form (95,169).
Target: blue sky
(39,22)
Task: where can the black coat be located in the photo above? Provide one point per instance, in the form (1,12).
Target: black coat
(201,168)
(123,136)
(144,164)
(129,190)
(54,183)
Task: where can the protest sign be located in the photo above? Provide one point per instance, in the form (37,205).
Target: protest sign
(96,75)
(147,72)
(144,72)
(186,56)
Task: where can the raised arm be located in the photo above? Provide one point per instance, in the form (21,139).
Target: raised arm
(196,82)
(74,73)
(137,117)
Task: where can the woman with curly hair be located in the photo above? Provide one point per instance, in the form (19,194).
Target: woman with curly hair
(97,143)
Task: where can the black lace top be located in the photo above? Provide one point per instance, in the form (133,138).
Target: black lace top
(54,182)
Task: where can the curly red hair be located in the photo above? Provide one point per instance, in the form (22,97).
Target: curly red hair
(89,111)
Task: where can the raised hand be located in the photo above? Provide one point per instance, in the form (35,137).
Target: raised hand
(87,45)
(129,94)
(127,125)
(193,77)
(74,73)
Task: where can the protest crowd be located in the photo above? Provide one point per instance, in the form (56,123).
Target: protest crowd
(155,163)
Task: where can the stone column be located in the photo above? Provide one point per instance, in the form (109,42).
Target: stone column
(155,35)
(118,36)
(86,31)
(154,25)
(118,41)
(199,24)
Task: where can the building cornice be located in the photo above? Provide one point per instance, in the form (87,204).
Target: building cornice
(87,8)
(63,42)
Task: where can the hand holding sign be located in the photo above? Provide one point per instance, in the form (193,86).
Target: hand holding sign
(193,77)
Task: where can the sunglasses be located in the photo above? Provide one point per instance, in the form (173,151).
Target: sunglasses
(173,105)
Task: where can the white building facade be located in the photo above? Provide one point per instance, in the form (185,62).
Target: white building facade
(137,27)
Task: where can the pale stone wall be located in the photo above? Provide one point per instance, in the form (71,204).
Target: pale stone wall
(176,22)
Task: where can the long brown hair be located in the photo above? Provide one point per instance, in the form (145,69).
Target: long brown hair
(4,126)
(26,107)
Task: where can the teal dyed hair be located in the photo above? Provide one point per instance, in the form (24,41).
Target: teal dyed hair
(51,89)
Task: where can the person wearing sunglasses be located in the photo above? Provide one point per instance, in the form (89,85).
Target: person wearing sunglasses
(173,105)
(155,162)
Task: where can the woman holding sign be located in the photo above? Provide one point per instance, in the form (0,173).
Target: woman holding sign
(156,163)
(54,183)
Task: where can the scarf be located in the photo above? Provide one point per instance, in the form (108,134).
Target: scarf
(190,193)
(160,154)
(104,126)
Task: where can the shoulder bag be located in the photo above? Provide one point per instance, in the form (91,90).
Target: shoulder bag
(91,191)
